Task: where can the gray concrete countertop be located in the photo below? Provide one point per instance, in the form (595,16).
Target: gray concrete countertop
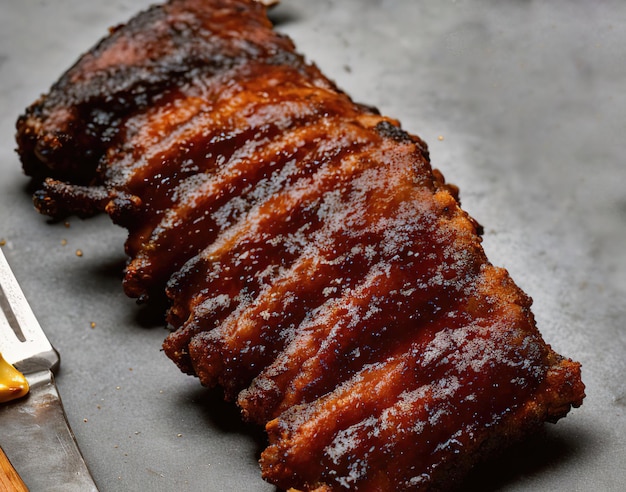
(523,104)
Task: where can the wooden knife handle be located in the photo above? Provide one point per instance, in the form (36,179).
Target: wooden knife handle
(9,478)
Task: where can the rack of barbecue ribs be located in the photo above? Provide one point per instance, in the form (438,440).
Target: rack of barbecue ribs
(316,267)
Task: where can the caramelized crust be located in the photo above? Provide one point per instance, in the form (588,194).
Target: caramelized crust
(317,267)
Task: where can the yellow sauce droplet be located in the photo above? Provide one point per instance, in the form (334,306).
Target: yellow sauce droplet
(13,384)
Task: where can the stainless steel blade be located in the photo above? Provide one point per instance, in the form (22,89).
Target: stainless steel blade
(39,441)
(22,341)
(35,433)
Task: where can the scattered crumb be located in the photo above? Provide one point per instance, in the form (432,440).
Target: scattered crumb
(440,138)
(85,420)
(92,324)
(79,252)
(179,435)
(63,242)
(3,242)
(66,224)
(118,387)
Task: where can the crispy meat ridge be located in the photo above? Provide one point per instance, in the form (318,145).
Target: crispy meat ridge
(316,266)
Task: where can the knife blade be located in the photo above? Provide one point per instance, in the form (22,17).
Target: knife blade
(35,433)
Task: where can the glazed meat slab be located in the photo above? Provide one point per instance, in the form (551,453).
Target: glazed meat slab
(315,265)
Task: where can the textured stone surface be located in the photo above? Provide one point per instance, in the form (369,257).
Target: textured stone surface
(522,104)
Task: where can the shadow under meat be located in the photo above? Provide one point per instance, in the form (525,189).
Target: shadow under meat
(281,15)
(225,416)
(543,450)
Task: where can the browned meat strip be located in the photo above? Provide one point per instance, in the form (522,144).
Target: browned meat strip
(317,267)
(160,106)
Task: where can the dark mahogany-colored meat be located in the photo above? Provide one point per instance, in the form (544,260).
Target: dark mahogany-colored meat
(317,267)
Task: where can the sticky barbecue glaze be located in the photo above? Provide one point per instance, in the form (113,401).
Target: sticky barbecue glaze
(317,267)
